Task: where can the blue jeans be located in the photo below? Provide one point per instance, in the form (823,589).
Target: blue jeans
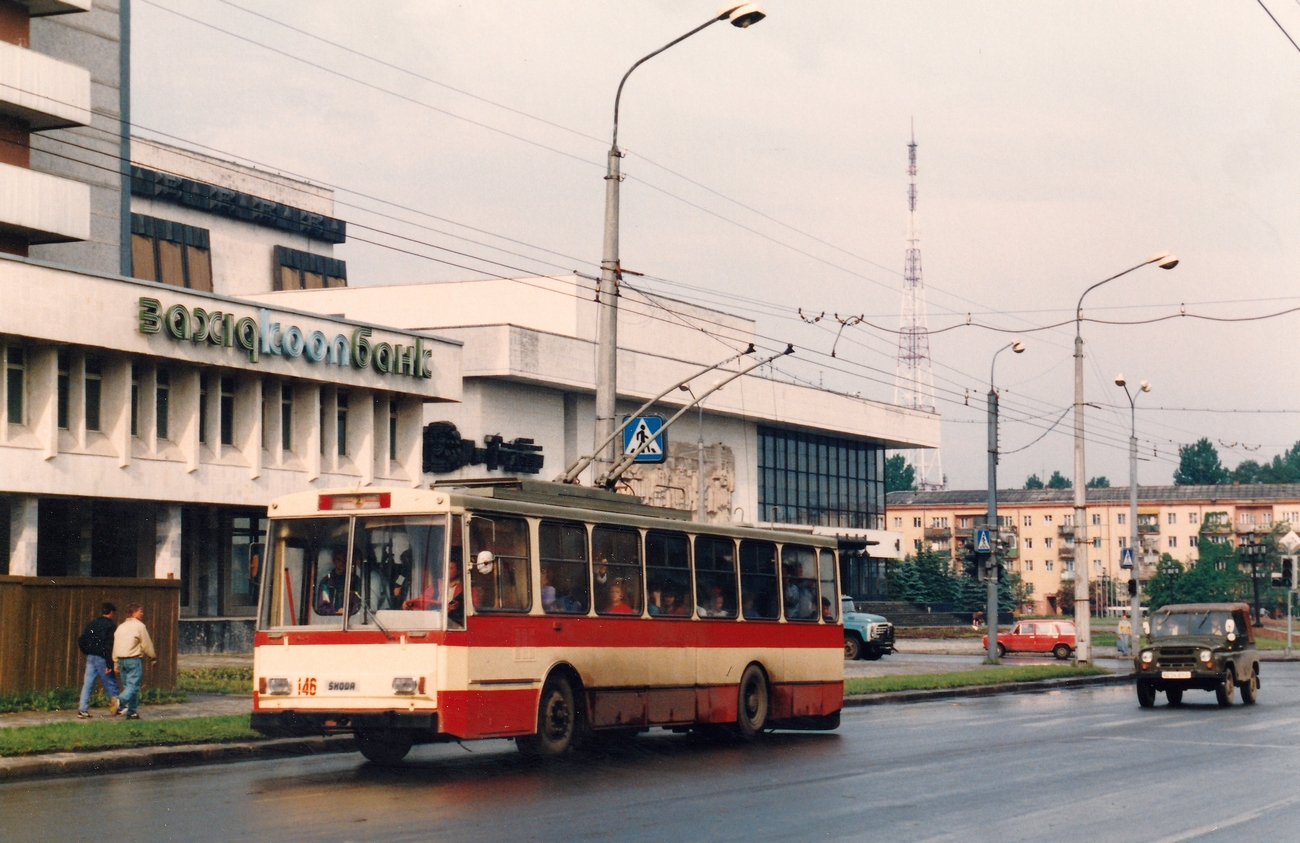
(132,671)
(96,666)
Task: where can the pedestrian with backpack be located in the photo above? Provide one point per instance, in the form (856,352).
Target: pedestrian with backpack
(96,642)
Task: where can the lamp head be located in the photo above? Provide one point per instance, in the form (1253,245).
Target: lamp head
(1119,380)
(742,15)
(1017,347)
(1146,386)
(1164,260)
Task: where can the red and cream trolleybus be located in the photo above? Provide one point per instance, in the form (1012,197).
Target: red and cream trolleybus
(540,612)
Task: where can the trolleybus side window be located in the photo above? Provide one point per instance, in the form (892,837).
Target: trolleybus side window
(616,567)
(758,585)
(668,574)
(498,561)
(799,582)
(301,570)
(830,604)
(715,576)
(563,548)
(398,571)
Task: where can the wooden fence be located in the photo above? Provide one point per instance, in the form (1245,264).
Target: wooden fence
(42,617)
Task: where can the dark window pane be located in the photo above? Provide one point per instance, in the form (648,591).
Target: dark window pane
(564,567)
(758,585)
(616,570)
(668,574)
(715,577)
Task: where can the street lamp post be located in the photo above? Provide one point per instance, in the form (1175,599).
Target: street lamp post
(701,512)
(741,15)
(1253,550)
(1135,576)
(1082,610)
(991,574)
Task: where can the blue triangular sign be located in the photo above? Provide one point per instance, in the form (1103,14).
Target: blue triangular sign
(982,544)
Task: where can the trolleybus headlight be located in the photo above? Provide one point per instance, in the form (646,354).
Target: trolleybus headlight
(278,686)
(404,685)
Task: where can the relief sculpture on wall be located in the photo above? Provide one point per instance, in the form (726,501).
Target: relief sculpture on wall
(673,483)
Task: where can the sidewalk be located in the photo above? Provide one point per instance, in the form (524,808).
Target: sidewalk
(199,705)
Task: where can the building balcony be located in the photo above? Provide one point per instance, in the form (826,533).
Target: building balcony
(43,92)
(1065,530)
(1216,527)
(936,533)
(42,208)
(1148,528)
(45,8)
(1065,552)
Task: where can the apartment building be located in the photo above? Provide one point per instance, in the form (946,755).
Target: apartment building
(1039,526)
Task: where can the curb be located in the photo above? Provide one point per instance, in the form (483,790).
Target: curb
(62,764)
(1041,686)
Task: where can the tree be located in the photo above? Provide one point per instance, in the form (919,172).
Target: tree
(1059,481)
(1033,482)
(899,476)
(1281,469)
(1198,465)
(1099,483)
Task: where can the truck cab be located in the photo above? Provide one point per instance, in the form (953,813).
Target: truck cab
(866,636)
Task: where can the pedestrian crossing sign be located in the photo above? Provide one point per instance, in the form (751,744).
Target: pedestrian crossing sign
(1126,558)
(983,544)
(645,433)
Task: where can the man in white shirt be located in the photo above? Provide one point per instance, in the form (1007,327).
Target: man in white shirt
(131,643)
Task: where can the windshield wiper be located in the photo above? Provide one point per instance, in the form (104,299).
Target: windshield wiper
(374,618)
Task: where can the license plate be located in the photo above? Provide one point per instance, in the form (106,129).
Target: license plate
(1176,674)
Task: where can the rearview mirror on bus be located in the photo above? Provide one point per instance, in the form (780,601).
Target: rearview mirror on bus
(484,561)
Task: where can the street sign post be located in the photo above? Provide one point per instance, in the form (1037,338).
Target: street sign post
(646,433)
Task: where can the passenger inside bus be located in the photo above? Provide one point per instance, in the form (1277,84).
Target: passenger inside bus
(617,604)
(714,605)
(667,603)
(329,592)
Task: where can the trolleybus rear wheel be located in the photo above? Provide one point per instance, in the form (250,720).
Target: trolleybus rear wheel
(557,720)
(752,707)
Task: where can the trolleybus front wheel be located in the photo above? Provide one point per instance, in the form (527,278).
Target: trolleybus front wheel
(557,720)
(383,748)
(752,707)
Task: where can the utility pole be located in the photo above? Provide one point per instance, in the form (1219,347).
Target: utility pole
(991,613)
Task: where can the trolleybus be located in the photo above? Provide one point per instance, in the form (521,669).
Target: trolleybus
(540,612)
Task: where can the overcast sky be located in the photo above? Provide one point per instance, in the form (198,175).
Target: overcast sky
(1059,143)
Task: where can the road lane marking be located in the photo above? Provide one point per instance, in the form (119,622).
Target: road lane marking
(1289,747)
(1245,816)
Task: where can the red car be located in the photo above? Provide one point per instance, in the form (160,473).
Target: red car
(1055,637)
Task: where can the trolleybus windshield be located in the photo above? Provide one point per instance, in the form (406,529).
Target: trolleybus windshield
(397,578)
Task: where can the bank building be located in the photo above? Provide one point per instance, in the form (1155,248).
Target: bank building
(181,344)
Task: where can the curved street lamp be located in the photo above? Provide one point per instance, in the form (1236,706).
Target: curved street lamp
(991,612)
(741,15)
(1135,575)
(1082,600)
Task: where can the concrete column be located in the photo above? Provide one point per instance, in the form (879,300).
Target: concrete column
(381,463)
(167,533)
(307,427)
(43,394)
(329,430)
(361,433)
(410,443)
(115,408)
(185,415)
(22,536)
(248,406)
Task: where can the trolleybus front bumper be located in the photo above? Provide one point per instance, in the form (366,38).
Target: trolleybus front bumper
(278,724)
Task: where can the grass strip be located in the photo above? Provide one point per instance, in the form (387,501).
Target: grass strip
(66,699)
(216,680)
(965,678)
(86,735)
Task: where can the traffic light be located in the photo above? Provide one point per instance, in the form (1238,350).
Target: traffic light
(1285,579)
(1132,588)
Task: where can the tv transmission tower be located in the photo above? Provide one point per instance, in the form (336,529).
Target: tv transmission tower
(914,375)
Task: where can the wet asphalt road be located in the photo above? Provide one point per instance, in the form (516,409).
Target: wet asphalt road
(1067,766)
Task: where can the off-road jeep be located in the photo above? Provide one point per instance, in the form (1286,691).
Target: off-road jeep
(1208,646)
